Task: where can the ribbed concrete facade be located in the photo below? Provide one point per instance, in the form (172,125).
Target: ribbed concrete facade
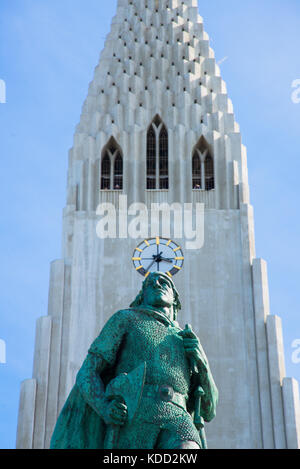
(157,62)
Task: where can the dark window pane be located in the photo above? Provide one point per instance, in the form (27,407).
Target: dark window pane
(105,172)
(106,165)
(118,173)
(151,156)
(164,183)
(197,183)
(209,173)
(163,159)
(151,183)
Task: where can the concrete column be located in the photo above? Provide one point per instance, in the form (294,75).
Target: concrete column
(248,254)
(26,414)
(220,169)
(290,390)
(127,177)
(41,374)
(235,190)
(243,193)
(173,162)
(138,176)
(142,167)
(247,228)
(97,183)
(91,187)
(84,186)
(56,307)
(65,382)
(186,175)
(129,150)
(277,372)
(180,139)
(262,310)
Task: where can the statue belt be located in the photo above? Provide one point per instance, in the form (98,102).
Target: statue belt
(165,393)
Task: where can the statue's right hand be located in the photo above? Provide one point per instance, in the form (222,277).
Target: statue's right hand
(115,413)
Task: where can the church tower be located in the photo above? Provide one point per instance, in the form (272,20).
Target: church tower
(158,127)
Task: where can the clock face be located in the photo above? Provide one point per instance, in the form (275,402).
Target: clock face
(158,255)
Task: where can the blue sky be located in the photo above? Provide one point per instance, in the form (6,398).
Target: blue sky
(48,51)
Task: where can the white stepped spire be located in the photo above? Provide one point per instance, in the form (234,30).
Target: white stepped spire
(157,57)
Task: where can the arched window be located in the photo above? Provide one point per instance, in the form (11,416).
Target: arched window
(112,167)
(197,177)
(157,155)
(203,167)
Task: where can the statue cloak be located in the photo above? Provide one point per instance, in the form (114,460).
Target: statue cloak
(78,425)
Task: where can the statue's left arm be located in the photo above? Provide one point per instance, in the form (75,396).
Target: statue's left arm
(210,399)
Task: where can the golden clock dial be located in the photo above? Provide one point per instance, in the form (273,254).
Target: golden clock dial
(158,255)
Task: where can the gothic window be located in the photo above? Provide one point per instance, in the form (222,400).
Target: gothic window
(197,179)
(112,167)
(203,167)
(157,156)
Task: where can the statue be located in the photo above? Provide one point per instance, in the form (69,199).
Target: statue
(145,384)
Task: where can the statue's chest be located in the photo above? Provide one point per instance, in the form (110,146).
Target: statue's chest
(148,340)
(152,340)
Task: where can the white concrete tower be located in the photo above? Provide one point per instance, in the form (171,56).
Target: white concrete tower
(156,72)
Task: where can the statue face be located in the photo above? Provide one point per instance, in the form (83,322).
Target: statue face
(158,292)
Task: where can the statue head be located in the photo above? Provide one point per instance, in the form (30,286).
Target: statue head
(158,291)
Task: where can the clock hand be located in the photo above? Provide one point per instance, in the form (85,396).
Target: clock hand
(165,259)
(151,265)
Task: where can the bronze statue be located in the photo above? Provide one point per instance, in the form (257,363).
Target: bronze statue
(145,384)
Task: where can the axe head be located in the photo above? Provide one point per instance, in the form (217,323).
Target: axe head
(128,388)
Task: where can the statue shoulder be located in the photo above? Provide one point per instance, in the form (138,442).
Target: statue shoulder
(124,312)
(110,337)
(123,315)
(117,322)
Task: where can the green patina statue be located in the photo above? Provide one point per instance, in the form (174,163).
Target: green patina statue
(145,384)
